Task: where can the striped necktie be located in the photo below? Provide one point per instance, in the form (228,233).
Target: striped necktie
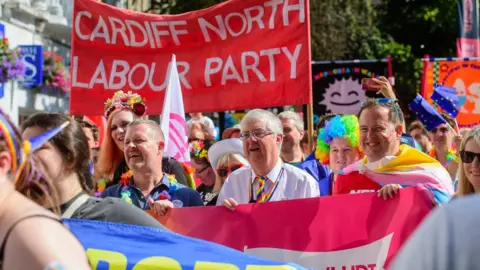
(261,188)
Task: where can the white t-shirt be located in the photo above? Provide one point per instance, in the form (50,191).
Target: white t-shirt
(294,183)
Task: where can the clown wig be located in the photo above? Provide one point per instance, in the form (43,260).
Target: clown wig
(345,126)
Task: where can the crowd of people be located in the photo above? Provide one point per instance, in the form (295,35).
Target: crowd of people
(60,164)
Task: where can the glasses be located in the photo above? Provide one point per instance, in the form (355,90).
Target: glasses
(442,130)
(468,157)
(257,134)
(224,171)
(202,170)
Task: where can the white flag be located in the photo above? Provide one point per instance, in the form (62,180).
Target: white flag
(173,122)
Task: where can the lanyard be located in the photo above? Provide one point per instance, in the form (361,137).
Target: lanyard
(272,191)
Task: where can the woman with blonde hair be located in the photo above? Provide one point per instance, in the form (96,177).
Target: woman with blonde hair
(31,236)
(226,156)
(469,167)
(121,110)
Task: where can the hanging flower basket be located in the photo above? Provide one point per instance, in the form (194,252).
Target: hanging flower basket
(55,78)
(11,64)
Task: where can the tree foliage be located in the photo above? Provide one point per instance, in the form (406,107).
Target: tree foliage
(362,29)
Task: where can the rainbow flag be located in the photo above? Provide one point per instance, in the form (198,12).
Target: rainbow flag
(410,168)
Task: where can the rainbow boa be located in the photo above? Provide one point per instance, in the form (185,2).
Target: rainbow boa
(411,167)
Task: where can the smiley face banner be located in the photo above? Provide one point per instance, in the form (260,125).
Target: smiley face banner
(337,85)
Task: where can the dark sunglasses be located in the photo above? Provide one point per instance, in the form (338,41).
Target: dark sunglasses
(224,171)
(442,130)
(468,157)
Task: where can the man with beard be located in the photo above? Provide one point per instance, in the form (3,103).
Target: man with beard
(293,132)
(147,187)
(267,178)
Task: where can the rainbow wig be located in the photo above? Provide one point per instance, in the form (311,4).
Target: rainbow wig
(345,126)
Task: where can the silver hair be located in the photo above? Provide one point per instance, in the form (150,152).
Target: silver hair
(272,122)
(297,120)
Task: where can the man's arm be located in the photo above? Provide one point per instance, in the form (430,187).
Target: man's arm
(122,212)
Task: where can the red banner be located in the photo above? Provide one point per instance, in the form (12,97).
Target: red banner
(359,231)
(236,55)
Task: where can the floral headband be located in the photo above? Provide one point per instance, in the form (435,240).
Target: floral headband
(345,126)
(197,149)
(121,100)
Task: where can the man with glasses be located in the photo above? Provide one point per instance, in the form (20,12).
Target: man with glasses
(267,178)
(388,165)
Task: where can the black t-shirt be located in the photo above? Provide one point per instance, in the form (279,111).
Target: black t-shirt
(111,210)
(169,166)
(208,196)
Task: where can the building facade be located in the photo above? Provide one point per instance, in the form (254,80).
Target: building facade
(36,22)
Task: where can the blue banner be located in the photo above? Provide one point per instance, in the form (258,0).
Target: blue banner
(122,246)
(2,36)
(32,56)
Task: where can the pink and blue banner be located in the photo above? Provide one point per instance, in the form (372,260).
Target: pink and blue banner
(359,231)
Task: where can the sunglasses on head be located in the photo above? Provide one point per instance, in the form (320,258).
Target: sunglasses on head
(224,171)
(442,130)
(468,157)
(386,101)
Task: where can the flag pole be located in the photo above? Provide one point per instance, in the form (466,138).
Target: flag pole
(454,132)
(310,126)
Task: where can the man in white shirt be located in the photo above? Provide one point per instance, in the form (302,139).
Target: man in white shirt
(206,121)
(267,178)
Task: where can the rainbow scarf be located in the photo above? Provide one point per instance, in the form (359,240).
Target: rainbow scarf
(410,168)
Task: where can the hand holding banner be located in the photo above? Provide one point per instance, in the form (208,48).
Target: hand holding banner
(366,233)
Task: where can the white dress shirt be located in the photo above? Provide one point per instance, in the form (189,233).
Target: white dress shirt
(294,183)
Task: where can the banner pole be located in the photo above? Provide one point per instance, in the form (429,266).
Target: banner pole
(424,76)
(310,126)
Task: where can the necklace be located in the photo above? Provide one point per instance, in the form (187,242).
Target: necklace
(451,155)
(126,192)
